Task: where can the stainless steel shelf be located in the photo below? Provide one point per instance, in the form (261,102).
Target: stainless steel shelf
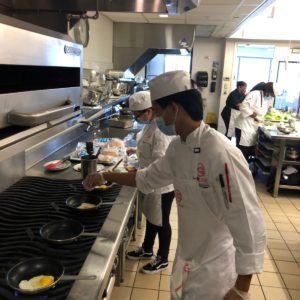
(278,144)
(290,187)
(288,162)
(291,162)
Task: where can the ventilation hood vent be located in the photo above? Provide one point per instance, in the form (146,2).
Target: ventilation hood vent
(52,14)
(136,44)
(175,7)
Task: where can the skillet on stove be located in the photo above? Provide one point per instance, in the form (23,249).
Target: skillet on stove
(87,202)
(27,269)
(64,231)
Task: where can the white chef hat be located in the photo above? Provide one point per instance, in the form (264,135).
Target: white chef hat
(140,101)
(170,83)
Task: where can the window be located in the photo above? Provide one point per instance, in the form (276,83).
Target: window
(253,63)
(177,62)
(162,63)
(288,77)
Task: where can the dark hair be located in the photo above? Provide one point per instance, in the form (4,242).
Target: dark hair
(267,88)
(241,83)
(258,87)
(190,100)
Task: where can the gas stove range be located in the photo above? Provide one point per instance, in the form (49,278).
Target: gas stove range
(29,204)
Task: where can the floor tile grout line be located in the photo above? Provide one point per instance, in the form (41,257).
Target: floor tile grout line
(273,256)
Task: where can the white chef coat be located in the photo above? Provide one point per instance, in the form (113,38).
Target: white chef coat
(214,243)
(151,145)
(233,116)
(253,103)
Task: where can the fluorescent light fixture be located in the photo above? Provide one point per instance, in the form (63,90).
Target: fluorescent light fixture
(163,15)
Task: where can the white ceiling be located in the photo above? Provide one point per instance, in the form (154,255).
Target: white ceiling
(214,18)
(280,21)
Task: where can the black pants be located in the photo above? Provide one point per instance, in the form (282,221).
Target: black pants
(164,232)
(248,152)
(225,114)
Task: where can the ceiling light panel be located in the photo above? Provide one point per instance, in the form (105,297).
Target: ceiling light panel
(173,17)
(213,9)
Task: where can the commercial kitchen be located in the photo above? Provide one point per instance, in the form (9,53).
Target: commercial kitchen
(67,71)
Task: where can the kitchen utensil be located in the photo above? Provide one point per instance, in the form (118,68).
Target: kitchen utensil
(117,164)
(98,152)
(89,148)
(37,266)
(64,231)
(75,202)
(88,165)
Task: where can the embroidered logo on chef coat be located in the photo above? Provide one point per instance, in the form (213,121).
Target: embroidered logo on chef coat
(201,176)
(200,169)
(178,197)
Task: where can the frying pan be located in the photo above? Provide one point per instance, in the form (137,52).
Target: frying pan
(64,231)
(37,266)
(74,202)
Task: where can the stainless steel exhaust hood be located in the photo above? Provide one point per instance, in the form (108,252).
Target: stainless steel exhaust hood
(52,14)
(136,44)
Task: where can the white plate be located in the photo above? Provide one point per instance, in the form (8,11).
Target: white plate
(59,167)
(77,167)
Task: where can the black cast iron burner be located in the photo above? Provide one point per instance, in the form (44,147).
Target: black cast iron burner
(24,208)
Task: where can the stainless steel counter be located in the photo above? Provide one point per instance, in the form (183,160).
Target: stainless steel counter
(281,141)
(101,257)
(274,134)
(55,143)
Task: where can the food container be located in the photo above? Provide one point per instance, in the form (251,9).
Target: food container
(291,153)
(121,122)
(88,165)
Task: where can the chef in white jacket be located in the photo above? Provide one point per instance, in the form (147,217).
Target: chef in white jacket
(156,206)
(221,234)
(252,110)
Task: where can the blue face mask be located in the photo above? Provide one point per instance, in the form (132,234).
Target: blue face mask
(166,129)
(268,98)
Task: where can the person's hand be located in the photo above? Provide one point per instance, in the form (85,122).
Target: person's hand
(130,151)
(93,180)
(259,119)
(235,294)
(253,115)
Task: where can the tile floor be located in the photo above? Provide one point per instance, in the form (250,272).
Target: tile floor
(281,277)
